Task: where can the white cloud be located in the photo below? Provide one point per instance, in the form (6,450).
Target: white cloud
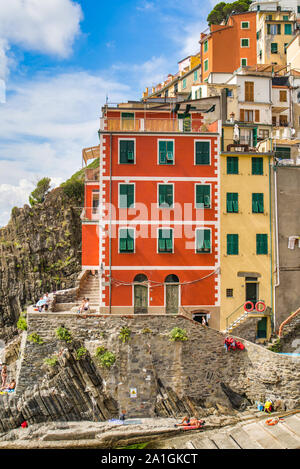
(45,123)
(46,26)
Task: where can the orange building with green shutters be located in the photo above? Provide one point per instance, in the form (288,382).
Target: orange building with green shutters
(151,222)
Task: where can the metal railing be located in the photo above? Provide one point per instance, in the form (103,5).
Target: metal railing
(239,314)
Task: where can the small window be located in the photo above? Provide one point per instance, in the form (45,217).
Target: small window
(95,202)
(285,18)
(245,24)
(206,65)
(184,83)
(165,240)
(195,75)
(126,151)
(205,46)
(261,244)
(258,203)
(232,244)
(203,241)
(243,62)
(232,165)
(202,150)
(285,46)
(232,202)
(244,42)
(126,240)
(257,165)
(203,196)
(274,48)
(288,29)
(282,96)
(229,292)
(166,152)
(126,195)
(165,195)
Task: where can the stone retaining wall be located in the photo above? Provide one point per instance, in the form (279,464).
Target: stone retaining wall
(192,369)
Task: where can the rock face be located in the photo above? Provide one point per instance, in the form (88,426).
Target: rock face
(151,376)
(40,250)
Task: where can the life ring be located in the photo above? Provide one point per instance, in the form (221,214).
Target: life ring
(263,306)
(272,421)
(248,303)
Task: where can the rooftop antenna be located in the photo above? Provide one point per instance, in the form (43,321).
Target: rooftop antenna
(106,99)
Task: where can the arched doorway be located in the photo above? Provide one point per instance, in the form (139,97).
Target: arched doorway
(140,293)
(172,294)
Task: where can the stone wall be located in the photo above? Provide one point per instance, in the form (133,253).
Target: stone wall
(159,369)
(290,340)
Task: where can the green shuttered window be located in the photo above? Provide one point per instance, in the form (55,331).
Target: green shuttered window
(126,240)
(232,244)
(165,240)
(232,202)
(202,196)
(126,195)
(258,203)
(203,241)
(166,152)
(126,151)
(203,153)
(232,165)
(261,244)
(165,195)
(257,165)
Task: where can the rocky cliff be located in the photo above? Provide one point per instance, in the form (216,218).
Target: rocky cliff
(40,251)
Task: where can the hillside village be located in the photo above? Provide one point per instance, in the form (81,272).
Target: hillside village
(189,216)
(222,137)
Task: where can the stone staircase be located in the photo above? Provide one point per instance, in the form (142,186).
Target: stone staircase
(89,288)
(253,434)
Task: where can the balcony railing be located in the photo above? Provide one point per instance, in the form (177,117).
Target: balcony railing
(152,125)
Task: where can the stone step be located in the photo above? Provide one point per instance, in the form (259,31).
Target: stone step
(224,442)
(259,434)
(243,440)
(286,438)
(203,443)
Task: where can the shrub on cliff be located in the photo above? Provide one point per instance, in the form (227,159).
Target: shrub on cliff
(22,323)
(40,192)
(63,334)
(105,358)
(178,334)
(222,10)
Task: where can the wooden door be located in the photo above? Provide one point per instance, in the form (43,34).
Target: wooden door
(140,299)
(262,328)
(172,299)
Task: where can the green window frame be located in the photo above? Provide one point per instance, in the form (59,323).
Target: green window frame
(165,195)
(166,152)
(203,196)
(232,165)
(126,155)
(232,202)
(285,17)
(232,244)
(126,195)
(205,65)
(245,42)
(261,244)
(244,62)
(257,203)
(195,75)
(184,83)
(205,46)
(274,47)
(203,241)
(165,240)
(288,29)
(126,240)
(257,165)
(202,153)
(245,25)
(283,153)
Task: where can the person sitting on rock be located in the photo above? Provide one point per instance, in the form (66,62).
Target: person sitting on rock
(11,386)
(86,306)
(81,306)
(41,304)
(47,301)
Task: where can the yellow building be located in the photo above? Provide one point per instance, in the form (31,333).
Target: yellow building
(246,243)
(274,31)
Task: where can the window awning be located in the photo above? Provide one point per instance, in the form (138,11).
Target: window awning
(279,109)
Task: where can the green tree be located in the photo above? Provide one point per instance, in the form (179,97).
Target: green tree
(222,10)
(39,193)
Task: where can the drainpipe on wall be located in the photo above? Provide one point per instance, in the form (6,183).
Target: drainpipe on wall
(110,217)
(276,242)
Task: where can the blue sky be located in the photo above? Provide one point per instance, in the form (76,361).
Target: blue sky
(59,60)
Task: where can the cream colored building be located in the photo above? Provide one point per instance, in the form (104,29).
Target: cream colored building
(246,239)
